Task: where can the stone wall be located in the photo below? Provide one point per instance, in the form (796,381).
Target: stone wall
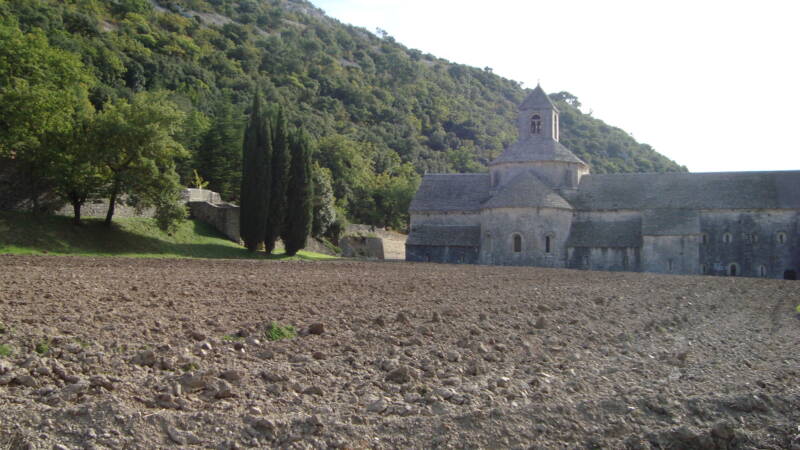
(617,259)
(755,241)
(361,246)
(533,225)
(200,195)
(222,216)
(393,243)
(442,254)
(99,208)
(671,254)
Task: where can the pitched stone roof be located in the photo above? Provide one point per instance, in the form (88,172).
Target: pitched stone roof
(536,148)
(439,235)
(724,190)
(537,99)
(670,222)
(623,233)
(526,191)
(451,192)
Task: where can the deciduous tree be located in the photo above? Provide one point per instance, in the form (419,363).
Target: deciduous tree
(135,142)
(324,202)
(75,170)
(41,88)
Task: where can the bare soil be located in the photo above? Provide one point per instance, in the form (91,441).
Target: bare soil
(144,353)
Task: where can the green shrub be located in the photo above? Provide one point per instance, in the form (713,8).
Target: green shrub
(5,350)
(170,215)
(42,347)
(276,332)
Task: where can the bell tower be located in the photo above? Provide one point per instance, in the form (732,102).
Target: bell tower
(537,150)
(538,116)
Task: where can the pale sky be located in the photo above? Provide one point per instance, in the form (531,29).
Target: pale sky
(714,85)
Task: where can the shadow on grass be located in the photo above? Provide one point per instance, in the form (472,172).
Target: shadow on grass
(24,233)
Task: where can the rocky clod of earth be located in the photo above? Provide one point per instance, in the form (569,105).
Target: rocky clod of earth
(134,353)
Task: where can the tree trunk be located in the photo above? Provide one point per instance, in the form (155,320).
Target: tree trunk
(112,203)
(76,208)
(33,193)
(76,200)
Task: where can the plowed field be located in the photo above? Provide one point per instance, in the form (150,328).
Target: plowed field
(144,353)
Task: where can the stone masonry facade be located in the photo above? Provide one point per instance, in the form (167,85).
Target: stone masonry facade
(540,206)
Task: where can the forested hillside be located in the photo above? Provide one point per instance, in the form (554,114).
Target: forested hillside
(381,114)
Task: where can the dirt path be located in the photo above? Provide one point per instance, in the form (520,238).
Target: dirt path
(159,353)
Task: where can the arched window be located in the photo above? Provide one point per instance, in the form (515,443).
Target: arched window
(704,238)
(536,124)
(517,243)
(548,240)
(727,238)
(762,271)
(780,237)
(555,126)
(733,269)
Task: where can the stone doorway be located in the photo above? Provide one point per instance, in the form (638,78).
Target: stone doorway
(790,275)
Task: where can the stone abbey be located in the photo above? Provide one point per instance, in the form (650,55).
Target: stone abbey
(540,206)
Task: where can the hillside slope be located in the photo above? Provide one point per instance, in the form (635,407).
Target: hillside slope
(372,102)
(29,234)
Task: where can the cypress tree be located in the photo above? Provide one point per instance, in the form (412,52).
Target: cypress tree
(256,154)
(299,195)
(280,179)
(219,156)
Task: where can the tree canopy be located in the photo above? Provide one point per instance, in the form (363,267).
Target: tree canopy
(383,114)
(41,88)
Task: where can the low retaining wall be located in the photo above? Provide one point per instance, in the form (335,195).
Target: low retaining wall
(393,244)
(200,195)
(99,208)
(364,247)
(222,216)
